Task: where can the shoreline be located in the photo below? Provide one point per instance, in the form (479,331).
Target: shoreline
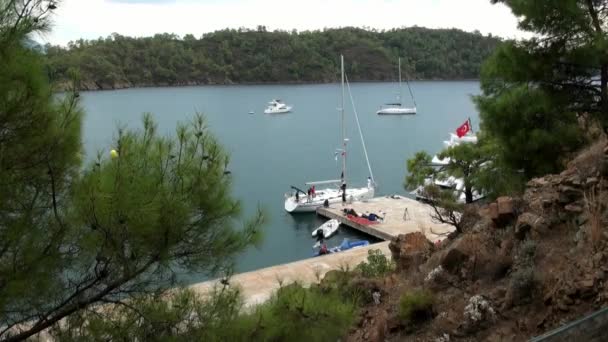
(63,87)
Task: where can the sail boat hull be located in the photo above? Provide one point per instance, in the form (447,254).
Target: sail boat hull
(294,203)
(396,111)
(333,196)
(395,108)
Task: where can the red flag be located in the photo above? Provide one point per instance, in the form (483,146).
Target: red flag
(463,129)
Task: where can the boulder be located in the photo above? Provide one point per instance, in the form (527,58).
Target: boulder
(492,267)
(505,211)
(591,181)
(569,194)
(505,206)
(537,182)
(410,250)
(585,288)
(453,260)
(529,222)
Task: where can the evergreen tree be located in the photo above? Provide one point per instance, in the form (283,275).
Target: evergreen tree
(247,56)
(534,90)
(74,235)
(469,162)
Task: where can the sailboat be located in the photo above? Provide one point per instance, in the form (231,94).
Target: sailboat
(397,108)
(299,201)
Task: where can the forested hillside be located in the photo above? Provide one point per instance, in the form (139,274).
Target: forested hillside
(260,56)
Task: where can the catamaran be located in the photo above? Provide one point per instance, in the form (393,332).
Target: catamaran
(299,201)
(397,108)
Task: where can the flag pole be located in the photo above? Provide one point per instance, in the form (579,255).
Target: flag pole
(470,125)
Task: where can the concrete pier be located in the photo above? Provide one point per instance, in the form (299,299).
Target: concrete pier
(402,215)
(257,286)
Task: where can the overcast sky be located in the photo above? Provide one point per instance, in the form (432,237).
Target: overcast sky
(91,19)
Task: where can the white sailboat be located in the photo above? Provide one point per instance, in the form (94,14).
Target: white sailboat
(397,108)
(299,201)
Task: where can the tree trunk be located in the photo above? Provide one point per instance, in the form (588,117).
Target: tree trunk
(468,192)
(604,97)
(599,33)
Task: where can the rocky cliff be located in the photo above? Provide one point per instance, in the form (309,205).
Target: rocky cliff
(525,266)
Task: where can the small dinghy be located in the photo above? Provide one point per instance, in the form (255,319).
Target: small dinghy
(327,229)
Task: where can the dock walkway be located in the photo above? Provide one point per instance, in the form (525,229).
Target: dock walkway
(402,215)
(257,286)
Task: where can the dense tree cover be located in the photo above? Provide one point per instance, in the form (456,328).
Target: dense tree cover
(243,56)
(535,90)
(538,96)
(293,313)
(73,235)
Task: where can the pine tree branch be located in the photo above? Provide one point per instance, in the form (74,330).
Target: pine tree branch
(594,18)
(68,309)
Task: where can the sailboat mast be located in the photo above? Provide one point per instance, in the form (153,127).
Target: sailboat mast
(400,86)
(343,126)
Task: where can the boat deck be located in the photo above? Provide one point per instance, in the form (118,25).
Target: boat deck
(402,215)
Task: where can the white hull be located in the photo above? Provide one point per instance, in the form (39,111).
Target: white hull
(396,111)
(328,228)
(440,162)
(457,184)
(278,111)
(333,196)
(455,140)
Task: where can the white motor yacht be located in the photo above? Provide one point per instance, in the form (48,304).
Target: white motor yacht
(277,107)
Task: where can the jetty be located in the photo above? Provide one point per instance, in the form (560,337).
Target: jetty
(401,215)
(257,286)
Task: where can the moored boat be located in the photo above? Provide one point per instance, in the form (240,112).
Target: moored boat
(277,107)
(327,229)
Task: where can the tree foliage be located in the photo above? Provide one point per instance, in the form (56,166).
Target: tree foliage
(474,164)
(293,313)
(534,89)
(259,56)
(74,235)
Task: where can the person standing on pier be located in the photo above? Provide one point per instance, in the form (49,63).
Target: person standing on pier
(343,192)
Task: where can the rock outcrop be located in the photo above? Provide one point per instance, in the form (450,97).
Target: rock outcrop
(410,250)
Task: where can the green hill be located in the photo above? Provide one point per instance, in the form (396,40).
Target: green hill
(259,56)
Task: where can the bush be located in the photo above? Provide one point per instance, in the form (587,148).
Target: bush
(293,313)
(416,306)
(527,251)
(522,284)
(377,264)
(298,314)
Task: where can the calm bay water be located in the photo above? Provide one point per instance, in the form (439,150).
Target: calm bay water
(271,152)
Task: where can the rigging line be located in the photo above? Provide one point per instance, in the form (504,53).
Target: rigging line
(410,89)
(352,101)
